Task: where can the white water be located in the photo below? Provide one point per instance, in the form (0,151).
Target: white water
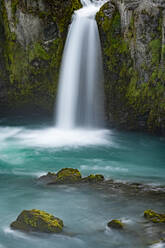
(80,94)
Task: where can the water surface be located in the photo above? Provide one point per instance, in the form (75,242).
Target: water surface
(27,152)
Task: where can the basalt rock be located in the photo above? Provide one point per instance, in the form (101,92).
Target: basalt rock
(37,221)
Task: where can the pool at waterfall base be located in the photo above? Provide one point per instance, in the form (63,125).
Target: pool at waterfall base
(30,151)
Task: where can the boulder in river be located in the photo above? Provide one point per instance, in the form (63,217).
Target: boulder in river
(116,224)
(66,175)
(70,176)
(37,221)
(154,217)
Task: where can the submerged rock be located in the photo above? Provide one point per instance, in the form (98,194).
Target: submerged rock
(154,217)
(93,178)
(116,224)
(38,221)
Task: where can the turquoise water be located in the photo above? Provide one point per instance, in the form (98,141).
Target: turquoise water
(26,152)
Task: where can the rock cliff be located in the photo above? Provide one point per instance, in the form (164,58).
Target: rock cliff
(133,44)
(32,35)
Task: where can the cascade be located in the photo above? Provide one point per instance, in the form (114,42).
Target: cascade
(80,99)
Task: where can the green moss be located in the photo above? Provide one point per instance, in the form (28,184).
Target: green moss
(14,5)
(37,220)
(154,217)
(155,46)
(38,51)
(68,175)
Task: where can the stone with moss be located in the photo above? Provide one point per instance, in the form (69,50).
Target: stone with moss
(68,175)
(154,217)
(116,224)
(93,178)
(64,176)
(37,221)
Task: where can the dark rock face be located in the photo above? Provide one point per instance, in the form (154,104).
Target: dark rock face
(133,39)
(37,221)
(32,36)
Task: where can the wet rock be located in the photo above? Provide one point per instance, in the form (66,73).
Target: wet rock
(154,217)
(38,221)
(33,32)
(66,175)
(50,177)
(132,34)
(93,178)
(116,224)
(70,176)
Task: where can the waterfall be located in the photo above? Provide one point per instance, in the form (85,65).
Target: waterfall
(80,99)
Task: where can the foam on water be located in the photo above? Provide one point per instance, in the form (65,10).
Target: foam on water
(158,245)
(101,168)
(53,137)
(9,231)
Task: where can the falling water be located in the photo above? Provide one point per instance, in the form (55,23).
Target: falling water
(80,94)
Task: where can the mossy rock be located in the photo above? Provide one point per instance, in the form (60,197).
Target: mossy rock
(37,221)
(116,224)
(68,175)
(154,217)
(93,178)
